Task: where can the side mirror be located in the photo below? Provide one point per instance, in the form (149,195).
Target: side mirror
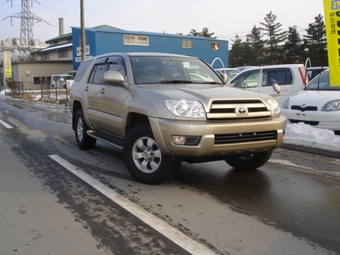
(113,77)
(277,88)
(223,76)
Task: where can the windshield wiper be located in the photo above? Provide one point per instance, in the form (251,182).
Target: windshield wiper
(175,81)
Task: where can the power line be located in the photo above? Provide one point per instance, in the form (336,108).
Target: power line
(26,44)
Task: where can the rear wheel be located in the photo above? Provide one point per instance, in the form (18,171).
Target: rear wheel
(249,162)
(84,141)
(144,160)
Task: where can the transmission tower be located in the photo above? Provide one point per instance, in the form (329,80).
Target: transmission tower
(27,43)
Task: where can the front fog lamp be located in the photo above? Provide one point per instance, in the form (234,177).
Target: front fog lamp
(185,140)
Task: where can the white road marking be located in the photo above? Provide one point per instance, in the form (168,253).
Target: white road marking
(5,124)
(165,229)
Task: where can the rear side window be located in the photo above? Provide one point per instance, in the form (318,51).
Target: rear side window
(82,69)
(282,76)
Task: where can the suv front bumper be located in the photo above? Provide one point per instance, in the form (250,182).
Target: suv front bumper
(241,137)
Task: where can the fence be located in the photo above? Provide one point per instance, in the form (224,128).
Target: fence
(41,90)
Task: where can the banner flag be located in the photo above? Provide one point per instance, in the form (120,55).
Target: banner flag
(332,21)
(7,64)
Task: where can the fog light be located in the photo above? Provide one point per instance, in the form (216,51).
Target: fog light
(178,139)
(186,140)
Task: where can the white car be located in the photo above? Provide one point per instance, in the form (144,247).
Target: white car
(317,105)
(62,81)
(291,78)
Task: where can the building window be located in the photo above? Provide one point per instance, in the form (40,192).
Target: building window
(62,53)
(45,56)
(186,44)
(141,40)
(215,46)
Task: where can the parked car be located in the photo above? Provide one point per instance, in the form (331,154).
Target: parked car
(315,70)
(231,72)
(317,105)
(291,78)
(61,81)
(159,111)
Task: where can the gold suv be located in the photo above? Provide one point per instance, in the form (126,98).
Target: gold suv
(161,109)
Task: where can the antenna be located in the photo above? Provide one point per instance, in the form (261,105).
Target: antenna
(26,46)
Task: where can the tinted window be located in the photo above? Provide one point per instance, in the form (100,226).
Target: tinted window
(82,69)
(279,76)
(117,64)
(97,74)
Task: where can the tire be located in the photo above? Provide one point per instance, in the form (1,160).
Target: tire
(249,162)
(84,141)
(144,160)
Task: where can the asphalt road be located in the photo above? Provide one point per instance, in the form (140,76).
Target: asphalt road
(56,199)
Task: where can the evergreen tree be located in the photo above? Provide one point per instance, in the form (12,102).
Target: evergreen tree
(194,32)
(239,53)
(256,45)
(294,48)
(204,33)
(315,42)
(276,37)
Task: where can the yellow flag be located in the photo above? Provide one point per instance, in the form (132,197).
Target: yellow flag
(7,64)
(332,21)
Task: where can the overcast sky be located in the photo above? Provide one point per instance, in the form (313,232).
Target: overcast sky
(225,18)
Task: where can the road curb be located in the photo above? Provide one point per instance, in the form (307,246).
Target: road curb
(327,153)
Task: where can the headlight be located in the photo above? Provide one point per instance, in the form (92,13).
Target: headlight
(274,106)
(286,104)
(332,106)
(185,108)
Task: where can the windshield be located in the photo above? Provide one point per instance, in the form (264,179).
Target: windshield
(321,82)
(68,77)
(161,69)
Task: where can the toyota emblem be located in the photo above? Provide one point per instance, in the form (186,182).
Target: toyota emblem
(241,110)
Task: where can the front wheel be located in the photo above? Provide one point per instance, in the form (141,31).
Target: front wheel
(144,160)
(84,141)
(249,162)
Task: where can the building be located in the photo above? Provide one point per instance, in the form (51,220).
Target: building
(56,58)
(105,39)
(63,53)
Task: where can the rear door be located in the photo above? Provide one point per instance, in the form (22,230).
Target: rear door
(281,76)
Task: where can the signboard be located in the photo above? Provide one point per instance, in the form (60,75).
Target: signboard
(87,50)
(7,64)
(332,20)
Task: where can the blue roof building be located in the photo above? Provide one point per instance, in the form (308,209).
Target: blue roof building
(105,39)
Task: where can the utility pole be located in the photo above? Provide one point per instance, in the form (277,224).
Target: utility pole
(82,28)
(27,43)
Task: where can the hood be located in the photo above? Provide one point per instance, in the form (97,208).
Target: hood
(205,93)
(313,97)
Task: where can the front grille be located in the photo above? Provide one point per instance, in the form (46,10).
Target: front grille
(312,123)
(238,109)
(303,109)
(245,137)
